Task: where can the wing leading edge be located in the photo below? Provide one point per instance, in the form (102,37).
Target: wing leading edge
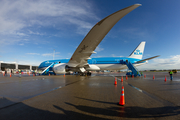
(95,36)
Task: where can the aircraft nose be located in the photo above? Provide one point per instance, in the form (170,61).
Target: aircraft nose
(41,65)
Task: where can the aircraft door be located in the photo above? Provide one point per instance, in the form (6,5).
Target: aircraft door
(93,61)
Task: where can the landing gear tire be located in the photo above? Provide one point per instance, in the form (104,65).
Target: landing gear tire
(88,73)
(82,74)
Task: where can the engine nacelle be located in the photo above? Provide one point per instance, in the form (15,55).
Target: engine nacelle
(92,68)
(64,68)
(67,68)
(59,68)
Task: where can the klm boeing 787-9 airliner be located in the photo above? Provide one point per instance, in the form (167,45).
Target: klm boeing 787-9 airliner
(82,63)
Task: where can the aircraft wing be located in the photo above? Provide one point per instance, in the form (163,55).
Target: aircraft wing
(95,36)
(147,59)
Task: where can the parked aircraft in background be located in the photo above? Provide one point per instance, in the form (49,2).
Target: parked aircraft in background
(82,63)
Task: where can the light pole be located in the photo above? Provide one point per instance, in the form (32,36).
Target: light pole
(53,54)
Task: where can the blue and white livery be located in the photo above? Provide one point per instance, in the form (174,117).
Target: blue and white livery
(81,61)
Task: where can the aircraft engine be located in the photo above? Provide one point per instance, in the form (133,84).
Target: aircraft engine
(59,68)
(92,68)
(64,68)
(67,68)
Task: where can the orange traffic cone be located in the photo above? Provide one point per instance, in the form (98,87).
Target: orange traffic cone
(153,77)
(121,83)
(64,75)
(10,74)
(122,79)
(122,100)
(144,76)
(132,75)
(49,74)
(165,79)
(126,77)
(115,82)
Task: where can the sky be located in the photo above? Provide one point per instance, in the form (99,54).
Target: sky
(32,30)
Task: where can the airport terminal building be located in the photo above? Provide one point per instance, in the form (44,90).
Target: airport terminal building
(16,66)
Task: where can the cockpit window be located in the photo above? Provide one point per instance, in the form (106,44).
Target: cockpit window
(59,62)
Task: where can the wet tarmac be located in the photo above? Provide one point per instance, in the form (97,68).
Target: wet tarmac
(95,97)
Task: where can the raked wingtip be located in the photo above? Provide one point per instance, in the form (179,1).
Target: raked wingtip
(138,4)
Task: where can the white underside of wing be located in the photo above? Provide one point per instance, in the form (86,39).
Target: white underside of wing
(95,36)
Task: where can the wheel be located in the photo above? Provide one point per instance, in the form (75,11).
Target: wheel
(88,73)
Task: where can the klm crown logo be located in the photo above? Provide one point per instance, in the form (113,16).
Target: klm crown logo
(137,52)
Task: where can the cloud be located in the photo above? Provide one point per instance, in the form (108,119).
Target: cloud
(99,56)
(172,62)
(99,48)
(57,52)
(83,27)
(51,54)
(9,40)
(47,54)
(16,15)
(35,33)
(29,62)
(135,33)
(33,53)
(21,44)
(113,55)
(22,18)
(21,34)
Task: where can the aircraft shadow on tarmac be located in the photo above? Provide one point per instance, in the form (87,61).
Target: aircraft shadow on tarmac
(5,102)
(96,101)
(129,112)
(22,111)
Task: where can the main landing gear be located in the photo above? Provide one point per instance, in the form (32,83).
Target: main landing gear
(85,73)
